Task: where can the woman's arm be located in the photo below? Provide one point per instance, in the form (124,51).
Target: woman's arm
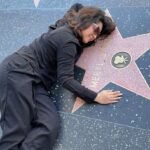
(65,72)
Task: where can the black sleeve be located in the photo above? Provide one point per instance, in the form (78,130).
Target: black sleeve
(65,73)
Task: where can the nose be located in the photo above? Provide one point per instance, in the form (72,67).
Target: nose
(93,37)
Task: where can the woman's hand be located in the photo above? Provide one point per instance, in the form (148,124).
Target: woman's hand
(108,97)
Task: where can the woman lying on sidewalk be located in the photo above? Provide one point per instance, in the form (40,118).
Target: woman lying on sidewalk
(29,119)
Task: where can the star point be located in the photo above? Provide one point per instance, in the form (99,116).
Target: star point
(36,3)
(99,70)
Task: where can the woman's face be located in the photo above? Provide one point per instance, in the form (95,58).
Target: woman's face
(91,33)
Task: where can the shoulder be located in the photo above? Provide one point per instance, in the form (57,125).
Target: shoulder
(64,35)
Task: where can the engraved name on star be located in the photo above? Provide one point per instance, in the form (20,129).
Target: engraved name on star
(96,61)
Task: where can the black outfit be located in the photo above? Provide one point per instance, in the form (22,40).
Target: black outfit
(29,118)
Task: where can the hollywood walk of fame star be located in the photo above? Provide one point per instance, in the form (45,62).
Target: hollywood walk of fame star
(99,68)
(36,3)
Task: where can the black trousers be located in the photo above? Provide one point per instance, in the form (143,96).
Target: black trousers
(29,120)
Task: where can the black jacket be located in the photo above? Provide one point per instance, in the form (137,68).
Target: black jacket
(56,52)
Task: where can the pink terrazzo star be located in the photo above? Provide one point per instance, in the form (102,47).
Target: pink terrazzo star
(99,71)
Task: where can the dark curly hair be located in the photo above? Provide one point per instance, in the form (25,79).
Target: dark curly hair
(80,17)
(88,15)
(64,20)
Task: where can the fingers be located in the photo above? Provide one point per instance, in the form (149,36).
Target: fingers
(115,97)
(114,102)
(114,94)
(108,97)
